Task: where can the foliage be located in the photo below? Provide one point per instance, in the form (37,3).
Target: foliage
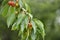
(18,18)
(48,11)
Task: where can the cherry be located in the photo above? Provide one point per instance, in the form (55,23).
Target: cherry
(29,25)
(11,3)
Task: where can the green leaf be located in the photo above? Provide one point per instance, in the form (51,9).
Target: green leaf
(4,2)
(11,19)
(20,18)
(27,7)
(26,21)
(11,10)
(21,3)
(34,26)
(19,33)
(4,10)
(27,34)
(33,36)
(15,27)
(11,16)
(40,27)
(24,24)
(24,35)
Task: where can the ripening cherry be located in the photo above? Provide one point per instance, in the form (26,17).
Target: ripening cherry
(29,25)
(11,3)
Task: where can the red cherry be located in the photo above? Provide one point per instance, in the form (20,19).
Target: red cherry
(11,3)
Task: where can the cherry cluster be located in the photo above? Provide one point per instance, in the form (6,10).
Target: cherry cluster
(12,3)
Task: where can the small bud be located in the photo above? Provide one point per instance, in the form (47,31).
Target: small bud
(16,12)
(16,4)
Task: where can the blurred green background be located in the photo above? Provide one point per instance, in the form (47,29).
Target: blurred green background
(48,11)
